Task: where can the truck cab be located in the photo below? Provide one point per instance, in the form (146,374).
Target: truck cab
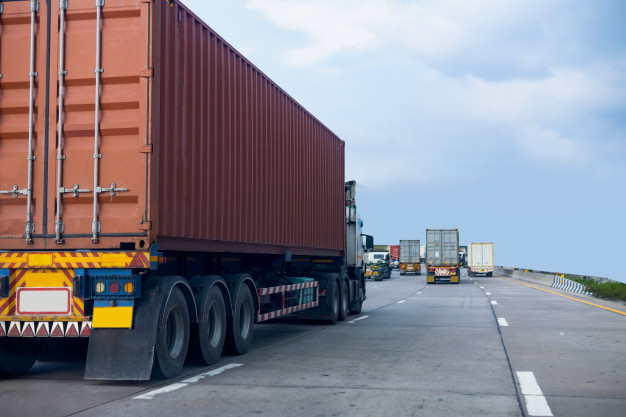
(378,266)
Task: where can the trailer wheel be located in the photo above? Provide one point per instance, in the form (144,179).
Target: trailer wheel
(212,326)
(17,355)
(172,337)
(241,325)
(343,308)
(490,274)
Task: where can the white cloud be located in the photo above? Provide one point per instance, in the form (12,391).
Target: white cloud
(432,29)
(549,146)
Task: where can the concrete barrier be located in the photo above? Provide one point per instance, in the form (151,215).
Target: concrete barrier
(569,285)
(548,279)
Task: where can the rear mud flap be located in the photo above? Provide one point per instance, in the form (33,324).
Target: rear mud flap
(128,354)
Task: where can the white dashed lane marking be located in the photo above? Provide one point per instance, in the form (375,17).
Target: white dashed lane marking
(536,403)
(358,318)
(192,380)
(502,322)
(494,303)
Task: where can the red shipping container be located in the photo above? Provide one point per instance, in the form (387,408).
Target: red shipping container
(196,149)
(394,252)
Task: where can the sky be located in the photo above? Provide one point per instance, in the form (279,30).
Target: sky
(504,119)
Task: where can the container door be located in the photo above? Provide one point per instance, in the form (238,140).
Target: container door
(91,124)
(22,121)
(450,247)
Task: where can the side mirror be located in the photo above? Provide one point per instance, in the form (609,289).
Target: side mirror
(368,242)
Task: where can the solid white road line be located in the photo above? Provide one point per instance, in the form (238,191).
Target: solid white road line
(536,403)
(494,303)
(177,385)
(358,318)
(502,322)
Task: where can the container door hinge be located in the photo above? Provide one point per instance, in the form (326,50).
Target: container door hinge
(147,73)
(146,1)
(145,226)
(145,149)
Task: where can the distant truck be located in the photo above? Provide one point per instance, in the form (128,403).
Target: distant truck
(423,253)
(462,255)
(442,256)
(377,266)
(410,257)
(480,259)
(394,253)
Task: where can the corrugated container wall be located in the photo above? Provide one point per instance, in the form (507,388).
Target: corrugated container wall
(409,251)
(442,247)
(206,153)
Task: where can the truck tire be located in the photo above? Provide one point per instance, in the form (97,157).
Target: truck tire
(334,302)
(212,325)
(18,355)
(357,305)
(241,325)
(172,338)
(343,308)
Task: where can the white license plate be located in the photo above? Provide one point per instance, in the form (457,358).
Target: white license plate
(44,301)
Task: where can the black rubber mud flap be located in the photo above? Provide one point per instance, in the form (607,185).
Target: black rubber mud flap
(128,354)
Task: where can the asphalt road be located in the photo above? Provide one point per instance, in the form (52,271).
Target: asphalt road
(485,347)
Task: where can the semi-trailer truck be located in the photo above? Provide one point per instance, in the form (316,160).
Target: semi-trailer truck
(442,256)
(163,203)
(480,259)
(378,266)
(410,257)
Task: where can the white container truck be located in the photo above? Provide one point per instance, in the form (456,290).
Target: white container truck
(480,259)
(410,257)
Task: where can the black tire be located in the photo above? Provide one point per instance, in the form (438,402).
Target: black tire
(212,325)
(18,355)
(172,338)
(241,324)
(490,274)
(343,307)
(357,305)
(334,302)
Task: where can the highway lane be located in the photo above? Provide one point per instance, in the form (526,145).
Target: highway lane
(576,351)
(416,349)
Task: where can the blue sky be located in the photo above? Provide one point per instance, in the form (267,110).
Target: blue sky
(505,119)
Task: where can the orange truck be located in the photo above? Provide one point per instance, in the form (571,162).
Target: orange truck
(159,194)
